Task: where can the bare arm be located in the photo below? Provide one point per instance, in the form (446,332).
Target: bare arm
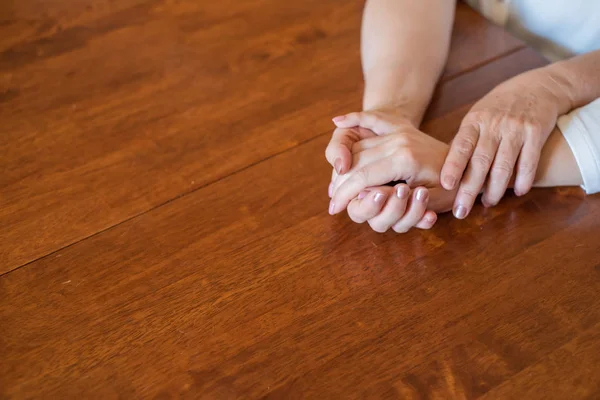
(504,131)
(557,165)
(576,81)
(404,49)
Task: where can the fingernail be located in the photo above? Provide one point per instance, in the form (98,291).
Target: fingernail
(331,207)
(337,164)
(362,194)
(402,192)
(449,182)
(460,212)
(339,118)
(379,197)
(422,194)
(330,190)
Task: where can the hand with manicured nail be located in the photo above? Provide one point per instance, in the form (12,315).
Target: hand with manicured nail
(339,150)
(506,128)
(354,127)
(397,208)
(339,155)
(397,152)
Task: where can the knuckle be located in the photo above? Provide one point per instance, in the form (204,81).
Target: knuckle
(361,176)
(478,116)
(515,124)
(454,168)
(408,157)
(378,227)
(400,228)
(481,160)
(356,216)
(514,138)
(464,146)
(469,193)
(503,169)
(527,168)
(534,128)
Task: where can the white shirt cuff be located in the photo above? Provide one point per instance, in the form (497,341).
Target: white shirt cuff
(581,129)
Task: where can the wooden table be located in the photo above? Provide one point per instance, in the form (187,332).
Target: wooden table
(164,229)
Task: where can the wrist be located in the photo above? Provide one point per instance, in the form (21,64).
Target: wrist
(557,80)
(399,115)
(392,90)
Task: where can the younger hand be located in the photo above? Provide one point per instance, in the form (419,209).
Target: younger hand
(403,155)
(397,207)
(385,207)
(356,126)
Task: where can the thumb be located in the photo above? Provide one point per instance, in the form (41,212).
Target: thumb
(365,119)
(339,149)
(440,199)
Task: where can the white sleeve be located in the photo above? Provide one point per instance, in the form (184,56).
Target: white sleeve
(581,129)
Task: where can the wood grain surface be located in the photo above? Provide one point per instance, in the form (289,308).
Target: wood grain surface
(106,116)
(164,231)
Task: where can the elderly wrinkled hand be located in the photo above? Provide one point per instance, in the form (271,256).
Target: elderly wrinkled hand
(505,129)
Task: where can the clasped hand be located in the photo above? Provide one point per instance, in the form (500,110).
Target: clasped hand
(369,150)
(503,134)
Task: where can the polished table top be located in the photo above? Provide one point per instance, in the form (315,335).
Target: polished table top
(164,229)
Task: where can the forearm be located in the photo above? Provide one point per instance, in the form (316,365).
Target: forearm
(557,166)
(576,81)
(404,49)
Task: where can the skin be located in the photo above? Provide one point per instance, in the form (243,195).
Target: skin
(418,158)
(404,46)
(404,49)
(504,132)
(397,208)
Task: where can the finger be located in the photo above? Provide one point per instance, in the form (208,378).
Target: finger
(475,175)
(527,166)
(502,169)
(361,210)
(364,119)
(415,212)
(459,155)
(428,220)
(377,173)
(440,199)
(339,149)
(359,161)
(334,176)
(369,143)
(393,210)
